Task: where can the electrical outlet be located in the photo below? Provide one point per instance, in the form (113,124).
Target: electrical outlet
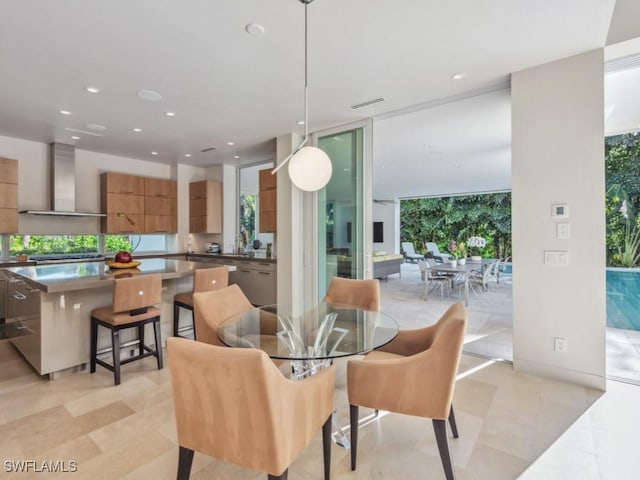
(560,344)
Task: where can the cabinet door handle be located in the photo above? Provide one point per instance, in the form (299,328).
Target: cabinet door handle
(264,273)
(245,271)
(19,296)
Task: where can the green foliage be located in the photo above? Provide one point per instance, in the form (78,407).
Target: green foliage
(443,219)
(45,244)
(248,215)
(622,177)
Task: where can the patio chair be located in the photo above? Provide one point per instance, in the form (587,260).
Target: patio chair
(432,280)
(435,252)
(410,254)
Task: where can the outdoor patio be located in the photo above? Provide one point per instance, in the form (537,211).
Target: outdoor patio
(489,331)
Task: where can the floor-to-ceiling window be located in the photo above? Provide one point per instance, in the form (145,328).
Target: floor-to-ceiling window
(341,209)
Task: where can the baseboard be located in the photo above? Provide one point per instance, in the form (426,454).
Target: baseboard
(597,382)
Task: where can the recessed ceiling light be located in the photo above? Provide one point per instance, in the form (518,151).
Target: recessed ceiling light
(154,153)
(188,155)
(137,130)
(236,156)
(300,122)
(458,76)
(254,29)
(65,112)
(149,95)
(231,144)
(92,89)
(75,137)
(96,126)
(170,114)
(426,145)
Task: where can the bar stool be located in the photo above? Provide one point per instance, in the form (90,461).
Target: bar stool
(133,300)
(204,280)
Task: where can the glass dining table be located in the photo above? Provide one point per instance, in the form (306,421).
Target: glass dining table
(310,336)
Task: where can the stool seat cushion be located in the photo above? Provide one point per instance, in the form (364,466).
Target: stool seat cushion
(106,314)
(186,298)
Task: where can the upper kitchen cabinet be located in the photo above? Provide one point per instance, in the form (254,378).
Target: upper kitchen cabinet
(267,201)
(205,207)
(160,205)
(122,199)
(8,195)
(136,204)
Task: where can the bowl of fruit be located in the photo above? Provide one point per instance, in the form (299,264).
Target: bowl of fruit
(123,260)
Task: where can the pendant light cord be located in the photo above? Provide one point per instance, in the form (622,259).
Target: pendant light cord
(306,86)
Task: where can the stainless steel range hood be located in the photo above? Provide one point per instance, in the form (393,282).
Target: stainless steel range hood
(62,175)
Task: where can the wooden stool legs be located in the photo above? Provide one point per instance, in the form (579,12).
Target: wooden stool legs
(143,350)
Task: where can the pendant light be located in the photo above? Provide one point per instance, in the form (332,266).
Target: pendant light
(309,167)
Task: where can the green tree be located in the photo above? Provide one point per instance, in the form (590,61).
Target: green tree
(248,215)
(457,218)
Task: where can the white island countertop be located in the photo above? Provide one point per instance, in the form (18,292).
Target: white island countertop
(85,275)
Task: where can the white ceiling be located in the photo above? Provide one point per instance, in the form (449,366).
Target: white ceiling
(226,85)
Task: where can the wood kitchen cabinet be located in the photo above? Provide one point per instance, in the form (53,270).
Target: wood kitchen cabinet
(8,195)
(267,202)
(160,205)
(124,194)
(150,203)
(205,207)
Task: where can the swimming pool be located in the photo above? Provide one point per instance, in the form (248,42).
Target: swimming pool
(623,298)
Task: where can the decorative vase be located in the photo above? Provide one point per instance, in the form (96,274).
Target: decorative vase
(454,263)
(476,258)
(462,261)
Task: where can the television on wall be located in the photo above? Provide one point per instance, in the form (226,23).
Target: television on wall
(378,237)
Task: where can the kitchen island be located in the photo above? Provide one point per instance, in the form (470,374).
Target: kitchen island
(56,332)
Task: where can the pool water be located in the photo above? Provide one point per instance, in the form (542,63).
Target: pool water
(623,298)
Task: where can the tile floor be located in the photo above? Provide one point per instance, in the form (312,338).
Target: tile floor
(511,424)
(489,332)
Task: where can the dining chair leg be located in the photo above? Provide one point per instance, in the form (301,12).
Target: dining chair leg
(283,476)
(452,423)
(185,459)
(353,419)
(326,446)
(176,319)
(440,429)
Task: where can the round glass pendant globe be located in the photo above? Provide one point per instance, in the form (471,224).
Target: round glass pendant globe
(310,169)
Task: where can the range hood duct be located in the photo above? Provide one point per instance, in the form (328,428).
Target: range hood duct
(62,175)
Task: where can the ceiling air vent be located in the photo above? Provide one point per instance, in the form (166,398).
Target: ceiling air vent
(205,150)
(366,104)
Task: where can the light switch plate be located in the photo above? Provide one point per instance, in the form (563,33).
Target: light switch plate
(562,231)
(556,258)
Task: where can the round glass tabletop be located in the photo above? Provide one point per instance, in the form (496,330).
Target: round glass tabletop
(308,332)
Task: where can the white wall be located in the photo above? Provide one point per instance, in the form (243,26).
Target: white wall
(389,214)
(558,158)
(33,184)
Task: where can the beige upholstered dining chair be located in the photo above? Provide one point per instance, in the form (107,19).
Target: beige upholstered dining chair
(360,293)
(204,280)
(414,374)
(233,404)
(212,308)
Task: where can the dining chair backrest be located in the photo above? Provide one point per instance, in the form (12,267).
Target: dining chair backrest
(349,291)
(235,405)
(210,309)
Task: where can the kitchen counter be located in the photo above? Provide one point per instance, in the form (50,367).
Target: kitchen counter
(65,277)
(56,338)
(258,256)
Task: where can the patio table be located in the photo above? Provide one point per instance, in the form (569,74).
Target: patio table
(464,270)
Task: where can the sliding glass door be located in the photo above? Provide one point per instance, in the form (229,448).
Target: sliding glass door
(341,213)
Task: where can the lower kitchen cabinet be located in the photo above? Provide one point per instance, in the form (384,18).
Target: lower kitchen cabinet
(257,280)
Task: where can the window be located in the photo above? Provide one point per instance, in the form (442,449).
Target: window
(52,244)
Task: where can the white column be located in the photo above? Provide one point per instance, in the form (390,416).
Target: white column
(558,158)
